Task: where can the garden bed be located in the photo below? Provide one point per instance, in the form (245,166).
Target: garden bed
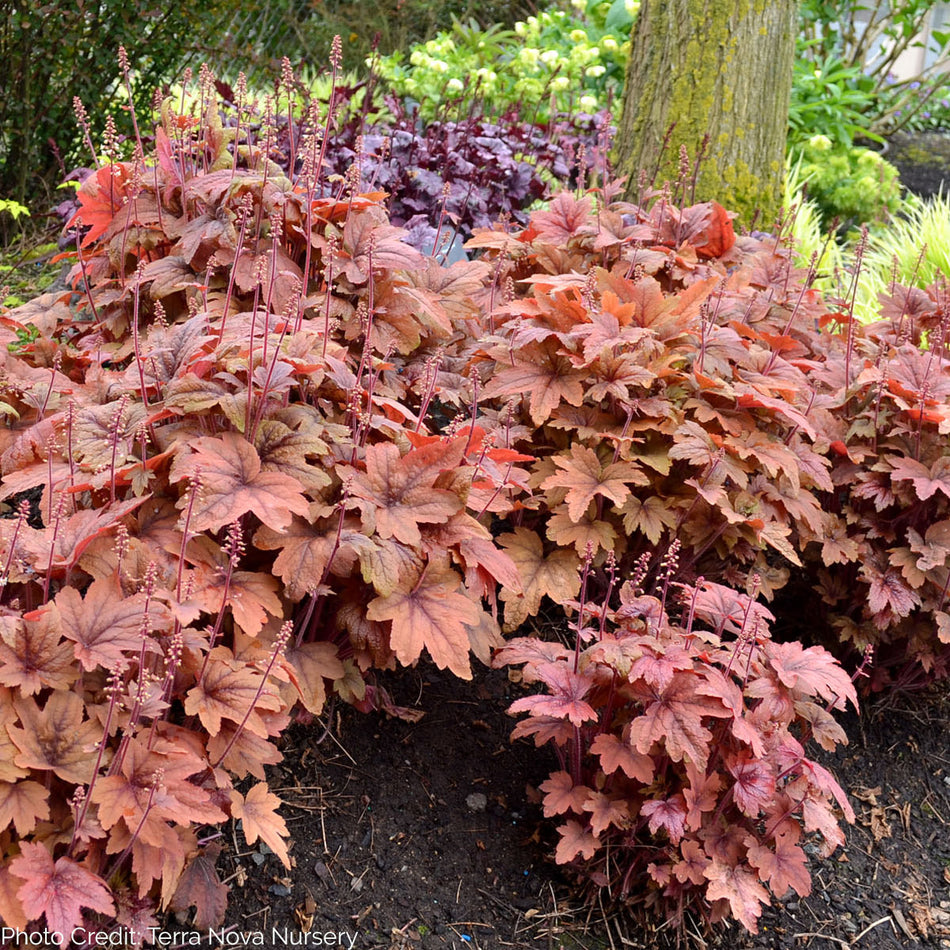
(923,160)
(398,851)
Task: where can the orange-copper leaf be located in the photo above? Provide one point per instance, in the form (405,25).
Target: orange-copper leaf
(233,484)
(257,812)
(427,612)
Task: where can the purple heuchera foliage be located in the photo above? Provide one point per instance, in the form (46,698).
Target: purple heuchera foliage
(477,169)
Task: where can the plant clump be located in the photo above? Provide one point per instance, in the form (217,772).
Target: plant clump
(263,447)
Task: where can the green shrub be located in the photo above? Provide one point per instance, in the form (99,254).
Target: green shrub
(49,60)
(558,60)
(853,184)
(830,98)
(871,38)
(914,249)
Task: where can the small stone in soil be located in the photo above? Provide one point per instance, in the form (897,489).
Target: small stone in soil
(477,801)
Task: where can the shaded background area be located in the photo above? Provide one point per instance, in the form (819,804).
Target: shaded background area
(52,52)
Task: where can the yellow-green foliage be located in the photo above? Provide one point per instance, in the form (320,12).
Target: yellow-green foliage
(810,238)
(914,248)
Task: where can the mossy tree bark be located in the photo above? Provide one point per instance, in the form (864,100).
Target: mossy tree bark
(716,68)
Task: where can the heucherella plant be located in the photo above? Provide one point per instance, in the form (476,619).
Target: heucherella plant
(681,730)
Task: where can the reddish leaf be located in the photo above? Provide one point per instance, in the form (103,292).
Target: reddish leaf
(693,866)
(546,378)
(812,670)
(615,754)
(107,627)
(561,795)
(567,699)
(926,481)
(59,891)
(585,478)
(575,839)
(754,788)
(741,888)
(607,812)
(396,493)
(230,689)
(674,718)
(785,866)
(33,655)
(565,218)
(668,814)
(200,887)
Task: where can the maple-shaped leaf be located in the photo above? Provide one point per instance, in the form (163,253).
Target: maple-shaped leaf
(229,689)
(668,814)
(545,377)
(374,243)
(606,811)
(388,563)
(568,690)
(21,804)
(427,612)
(701,794)
(754,788)
(650,515)
(615,754)
(60,546)
(693,443)
(565,217)
(562,795)
(311,664)
(282,449)
(200,887)
(544,729)
(563,531)
(107,627)
(693,865)
(888,592)
(233,484)
(658,669)
(584,477)
(555,576)
(244,753)
(58,890)
(33,655)
(55,738)
(397,493)
(728,609)
(741,888)
(575,839)
(306,550)
(812,670)
(257,811)
(100,197)
(104,436)
(151,788)
(785,866)
(673,718)
(926,481)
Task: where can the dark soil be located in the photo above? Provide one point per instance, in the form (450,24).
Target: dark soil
(426,835)
(923,160)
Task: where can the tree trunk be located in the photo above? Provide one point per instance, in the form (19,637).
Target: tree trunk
(721,70)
